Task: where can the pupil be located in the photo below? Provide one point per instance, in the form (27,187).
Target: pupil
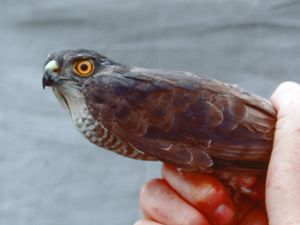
(84,67)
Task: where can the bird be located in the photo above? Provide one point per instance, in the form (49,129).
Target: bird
(189,121)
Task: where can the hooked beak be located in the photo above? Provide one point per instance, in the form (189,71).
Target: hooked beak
(48,79)
(50,76)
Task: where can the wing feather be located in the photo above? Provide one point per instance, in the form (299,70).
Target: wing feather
(184,119)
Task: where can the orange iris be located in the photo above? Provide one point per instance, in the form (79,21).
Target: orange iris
(84,67)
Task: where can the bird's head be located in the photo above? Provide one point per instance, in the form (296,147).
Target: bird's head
(66,72)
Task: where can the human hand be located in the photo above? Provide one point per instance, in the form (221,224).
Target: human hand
(195,198)
(283,178)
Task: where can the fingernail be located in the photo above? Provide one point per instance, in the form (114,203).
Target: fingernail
(224,214)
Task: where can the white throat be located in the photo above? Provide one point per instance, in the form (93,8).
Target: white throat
(72,100)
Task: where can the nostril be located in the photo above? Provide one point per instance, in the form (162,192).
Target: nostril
(56,70)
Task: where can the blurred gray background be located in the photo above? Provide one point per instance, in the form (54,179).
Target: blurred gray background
(49,174)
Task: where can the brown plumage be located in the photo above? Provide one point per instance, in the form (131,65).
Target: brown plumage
(189,121)
(183,119)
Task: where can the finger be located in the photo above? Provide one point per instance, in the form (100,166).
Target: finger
(204,192)
(160,203)
(146,222)
(256,216)
(283,178)
(286,96)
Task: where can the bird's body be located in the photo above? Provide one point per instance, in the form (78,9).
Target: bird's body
(180,118)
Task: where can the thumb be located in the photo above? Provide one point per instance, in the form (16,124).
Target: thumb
(283,178)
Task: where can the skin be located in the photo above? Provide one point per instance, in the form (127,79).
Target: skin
(186,198)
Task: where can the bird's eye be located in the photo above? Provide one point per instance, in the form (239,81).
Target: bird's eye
(84,67)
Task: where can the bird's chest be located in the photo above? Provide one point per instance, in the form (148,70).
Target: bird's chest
(96,133)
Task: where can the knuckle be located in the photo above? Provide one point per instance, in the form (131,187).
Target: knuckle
(147,189)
